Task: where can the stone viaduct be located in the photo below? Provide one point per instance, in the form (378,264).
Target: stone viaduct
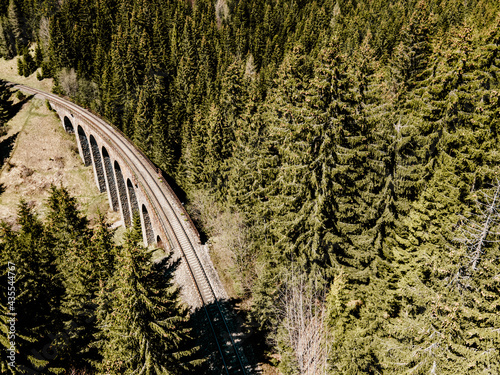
(135,186)
(114,176)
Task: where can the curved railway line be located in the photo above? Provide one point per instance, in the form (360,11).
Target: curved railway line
(173,219)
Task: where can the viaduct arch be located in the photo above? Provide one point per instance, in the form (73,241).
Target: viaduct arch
(112,175)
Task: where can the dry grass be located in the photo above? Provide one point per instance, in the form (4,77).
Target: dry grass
(267,369)
(228,243)
(44,154)
(8,72)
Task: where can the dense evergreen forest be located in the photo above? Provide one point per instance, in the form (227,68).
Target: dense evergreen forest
(86,305)
(356,142)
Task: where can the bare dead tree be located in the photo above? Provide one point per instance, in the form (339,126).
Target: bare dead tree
(44,33)
(303,313)
(478,231)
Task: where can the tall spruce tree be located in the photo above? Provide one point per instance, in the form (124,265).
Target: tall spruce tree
(142,125)
(7,39)
(5,103)
(38,291)
(144,327)
(440,328)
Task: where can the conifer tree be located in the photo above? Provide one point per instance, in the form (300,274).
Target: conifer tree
(38,293)
(77,261)
(288,136)
(65,222)
(194,151)
(7,39)
(232,96)
(18,24)
(26,64)
(38,55)
(90,264)
(113,85)
(217,150)
(5,104)
(247,177)
(365,209)
(411,66)
(164,134)
(143,118)
(143,324)
(163,144)
(301,194)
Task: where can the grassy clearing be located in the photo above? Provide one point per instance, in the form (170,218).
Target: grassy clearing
(44,155)
(8,72)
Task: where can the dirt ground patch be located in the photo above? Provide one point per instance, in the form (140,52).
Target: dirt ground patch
(43,154)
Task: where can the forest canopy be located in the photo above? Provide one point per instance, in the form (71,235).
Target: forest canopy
(356,142)
(84,304)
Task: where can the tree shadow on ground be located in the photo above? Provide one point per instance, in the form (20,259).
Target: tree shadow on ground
(15,108)
(245,334)
(6,147)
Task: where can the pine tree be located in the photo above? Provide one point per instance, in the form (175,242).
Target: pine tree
(18,25)
(89,265)
(300,198)
(164,135)
(26,64)
(217,150)
(288,137)
(192,165)
(247,178)
(143,118)
(77,262)
(7,39)
(38,293)
(113,85)
(5,103)
(65,222)
(143,325)
(38,55)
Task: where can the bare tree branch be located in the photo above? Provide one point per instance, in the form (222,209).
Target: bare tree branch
(303,313)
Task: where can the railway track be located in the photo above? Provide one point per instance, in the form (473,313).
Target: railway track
(172,217)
